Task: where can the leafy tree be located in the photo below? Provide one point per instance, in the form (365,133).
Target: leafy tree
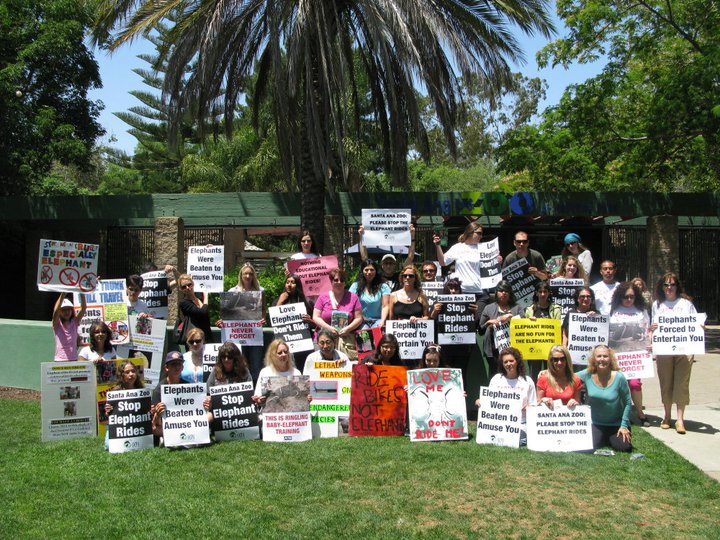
(649,121)
(306,55)
(46,71)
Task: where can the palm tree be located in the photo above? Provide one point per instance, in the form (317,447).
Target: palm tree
(309,56)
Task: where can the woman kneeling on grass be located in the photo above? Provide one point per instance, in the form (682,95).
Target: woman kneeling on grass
(608,395)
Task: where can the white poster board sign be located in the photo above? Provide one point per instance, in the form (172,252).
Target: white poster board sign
(184,421)
(206,265)
(499,417)
(330,382)
(560,429)
(679,334)
(490,267)
(636,365)
(129,425)
(456,321)
(67,266)
(287,323)
(147,334)
(584,332)
(67,400)
(386,227)
(287,427)
(412,337)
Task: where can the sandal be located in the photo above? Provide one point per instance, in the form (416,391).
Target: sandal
(665,424)
(680,427)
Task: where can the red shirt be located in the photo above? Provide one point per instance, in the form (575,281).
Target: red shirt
(567,393)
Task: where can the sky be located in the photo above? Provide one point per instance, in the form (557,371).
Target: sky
(118,80)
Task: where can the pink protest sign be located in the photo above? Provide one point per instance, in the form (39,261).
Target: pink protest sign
(313,273)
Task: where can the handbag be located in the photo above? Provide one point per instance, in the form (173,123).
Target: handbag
(182,326)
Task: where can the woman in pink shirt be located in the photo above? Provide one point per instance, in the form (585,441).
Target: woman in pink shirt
(65,327)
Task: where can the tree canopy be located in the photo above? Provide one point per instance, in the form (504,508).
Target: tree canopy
(46,71)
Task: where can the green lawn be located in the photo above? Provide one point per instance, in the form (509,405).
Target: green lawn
(348,487)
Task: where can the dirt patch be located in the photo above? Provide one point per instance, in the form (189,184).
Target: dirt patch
(7,392)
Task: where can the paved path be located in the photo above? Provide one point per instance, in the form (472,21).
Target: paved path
(701,444)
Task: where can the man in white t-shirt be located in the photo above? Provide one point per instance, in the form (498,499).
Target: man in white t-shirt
(604,289)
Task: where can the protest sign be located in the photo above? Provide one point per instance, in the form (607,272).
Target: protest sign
(67,266)
(501,336)
(378,400)
(436,405)
(521,280)
(241,314)
(108,302)
(584,332)
(107,376)
(313,273)
(234,415)
(490,268)
(412,337)
(432,289)
(209,358)
(456,321)
(535,338)
(147,334)
(155,293)
(130,423)
(560,429)
(386,227)
(636,365)
(150,360)
(67,400)
(248,333)
(563,292)
(287,323)
(206,265)
(679,334)
(366,341)
(286,427)
(330,382)
(628,336)
(499,417)
(184,421)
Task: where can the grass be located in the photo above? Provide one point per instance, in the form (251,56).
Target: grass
(342,488)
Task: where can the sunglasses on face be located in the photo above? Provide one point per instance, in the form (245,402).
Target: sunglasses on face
(521,241)
(186,286)
(194,341)
(408,276)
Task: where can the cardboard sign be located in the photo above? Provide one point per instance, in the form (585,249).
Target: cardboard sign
(129,425)
(366,341)
(412,337)
(286,394)
(501,336)
(384,227)
(584,332)
(313,273)
(436,405)
(636,365)
(67,266)
(521,280)
(147,334)
(287,323)
(432,290)
(456,322)
(561,429)
(499,417)
(234,415)
(184,421)
(155,293)
(206,265)
(490,267)
(679,334)
(287,427)
(67,400)
(378,400)
(534,339)
(108,302)
(563,292)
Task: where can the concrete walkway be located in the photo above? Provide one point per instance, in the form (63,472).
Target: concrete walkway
(701,444)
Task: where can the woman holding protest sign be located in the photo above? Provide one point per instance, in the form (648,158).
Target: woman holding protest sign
(129,380)
(511,376)
(278,363)
(230,366)
(608,395)
(248,282)
(340,312)
(673,371)
(570,268)
(542,306)
(387,352)
(584,303)
(195,310)
(328,352)
(494,317)
(558,381)
(629,323)
(293,294)
(374,295)
(409,303)
(65,325)
(100,347)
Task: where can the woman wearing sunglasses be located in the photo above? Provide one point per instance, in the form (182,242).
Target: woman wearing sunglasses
(340,312)
(192,371)
(193,307)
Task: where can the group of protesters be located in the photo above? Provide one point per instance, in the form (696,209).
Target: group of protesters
(387,291)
